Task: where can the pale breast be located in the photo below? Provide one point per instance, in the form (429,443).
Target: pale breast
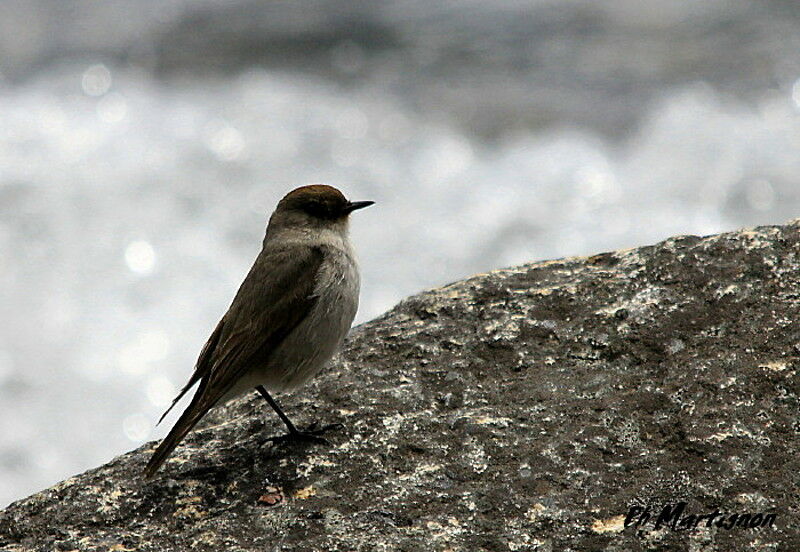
(316,339)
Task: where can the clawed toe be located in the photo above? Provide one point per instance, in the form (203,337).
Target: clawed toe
(313,430)
(312,434)
(298,437)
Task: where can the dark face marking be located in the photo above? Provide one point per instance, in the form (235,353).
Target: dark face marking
(329,208)
(322,202)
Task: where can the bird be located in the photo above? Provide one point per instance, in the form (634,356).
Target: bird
(288,318)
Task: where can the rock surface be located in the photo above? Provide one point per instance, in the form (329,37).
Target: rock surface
(523,409)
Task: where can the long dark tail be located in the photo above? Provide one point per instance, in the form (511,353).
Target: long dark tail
(193,414)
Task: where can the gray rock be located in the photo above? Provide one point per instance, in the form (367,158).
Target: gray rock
(524,409)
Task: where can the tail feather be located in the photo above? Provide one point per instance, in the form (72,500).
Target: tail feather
(200,368)
(176,399)
(193,414)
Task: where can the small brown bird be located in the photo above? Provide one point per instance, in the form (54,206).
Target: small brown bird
(288,318)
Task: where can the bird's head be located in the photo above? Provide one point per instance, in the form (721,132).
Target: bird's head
(315,206)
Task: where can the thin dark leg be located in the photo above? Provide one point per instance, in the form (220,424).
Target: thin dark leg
(277,409)
(311,434)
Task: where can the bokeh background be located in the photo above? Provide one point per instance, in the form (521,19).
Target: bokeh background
(144,142)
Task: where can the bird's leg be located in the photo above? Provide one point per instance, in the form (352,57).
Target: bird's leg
(310,434)
(277,409)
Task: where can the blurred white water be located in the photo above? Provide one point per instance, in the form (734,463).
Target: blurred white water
(131,207)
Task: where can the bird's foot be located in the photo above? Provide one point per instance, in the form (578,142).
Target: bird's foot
(312,434)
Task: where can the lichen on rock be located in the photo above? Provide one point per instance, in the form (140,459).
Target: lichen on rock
(527,408)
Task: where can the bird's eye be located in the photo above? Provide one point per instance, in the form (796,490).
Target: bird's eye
(316,208)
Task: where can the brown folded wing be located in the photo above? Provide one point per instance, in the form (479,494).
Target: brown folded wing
(269,305)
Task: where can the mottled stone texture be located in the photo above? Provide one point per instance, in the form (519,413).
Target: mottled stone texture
(524,409)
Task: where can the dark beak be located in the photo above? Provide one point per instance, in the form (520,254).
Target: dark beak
(355,205)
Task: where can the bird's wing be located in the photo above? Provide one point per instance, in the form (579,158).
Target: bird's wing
(202,366)
(270,304)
